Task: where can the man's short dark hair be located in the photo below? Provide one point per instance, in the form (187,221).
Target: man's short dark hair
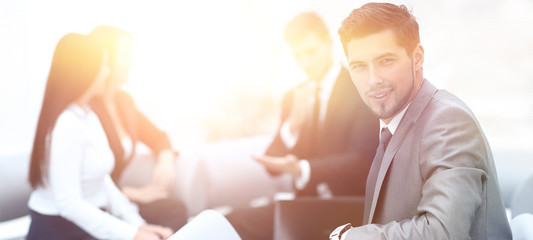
(304,23)
(375,17)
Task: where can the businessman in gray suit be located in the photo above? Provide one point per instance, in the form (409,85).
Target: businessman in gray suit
(433,176)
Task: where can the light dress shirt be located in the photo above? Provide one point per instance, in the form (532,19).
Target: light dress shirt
(78,184)
(394,123)
(289,138)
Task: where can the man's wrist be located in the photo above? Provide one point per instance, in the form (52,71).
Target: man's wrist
(305,174)
(297,170)
(339,232)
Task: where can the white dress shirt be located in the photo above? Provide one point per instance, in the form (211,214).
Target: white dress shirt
(289,138)
(394,123)
(78,183)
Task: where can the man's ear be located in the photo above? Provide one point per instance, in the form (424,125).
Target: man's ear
(418,57)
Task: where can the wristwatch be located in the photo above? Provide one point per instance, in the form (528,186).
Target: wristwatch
(337,233)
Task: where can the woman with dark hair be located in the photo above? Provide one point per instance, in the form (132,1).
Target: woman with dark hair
(74,196)
(125,126)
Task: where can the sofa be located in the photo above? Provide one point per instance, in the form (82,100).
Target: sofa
(14,194)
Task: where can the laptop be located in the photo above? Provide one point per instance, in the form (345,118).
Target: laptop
(315,218)
(207,225)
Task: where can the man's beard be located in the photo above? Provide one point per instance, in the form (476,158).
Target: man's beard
(382,113)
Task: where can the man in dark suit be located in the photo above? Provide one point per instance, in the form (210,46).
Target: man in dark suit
(433,176)
(327,137)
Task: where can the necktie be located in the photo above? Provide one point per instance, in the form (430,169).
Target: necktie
(316,120)
(316,109)
(374,171)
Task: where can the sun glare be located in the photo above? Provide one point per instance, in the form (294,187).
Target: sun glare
(212,70)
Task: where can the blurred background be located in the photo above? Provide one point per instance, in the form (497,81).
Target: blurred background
(212,74)
(210,70)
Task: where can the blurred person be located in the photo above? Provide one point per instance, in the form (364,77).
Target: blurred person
(125,126)
(327,136)
(433,176)
(73,194)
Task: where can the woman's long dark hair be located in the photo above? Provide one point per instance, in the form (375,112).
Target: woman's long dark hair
(76,62)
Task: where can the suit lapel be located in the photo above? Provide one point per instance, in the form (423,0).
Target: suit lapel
(408,121)
(394,144)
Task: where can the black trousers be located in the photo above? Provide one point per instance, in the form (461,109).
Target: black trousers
(47,227)
(253,223)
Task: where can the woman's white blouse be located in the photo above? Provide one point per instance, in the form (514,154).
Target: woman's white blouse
(78,183)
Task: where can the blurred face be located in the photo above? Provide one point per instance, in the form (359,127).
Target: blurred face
(123,61)
(313,54)
(386,76)
(99,81)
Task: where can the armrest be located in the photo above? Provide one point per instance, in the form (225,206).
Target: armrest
(15,189)
(15,228)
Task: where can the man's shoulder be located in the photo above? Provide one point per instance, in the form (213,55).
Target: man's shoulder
(446,101)
(432,103)
(445,109)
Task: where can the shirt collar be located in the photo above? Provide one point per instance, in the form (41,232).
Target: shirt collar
(329,79)
(393,125)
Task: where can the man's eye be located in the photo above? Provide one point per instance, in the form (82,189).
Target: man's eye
(386,60)
(358,67)
(310,52)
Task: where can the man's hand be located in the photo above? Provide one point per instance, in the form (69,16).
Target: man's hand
(287,164)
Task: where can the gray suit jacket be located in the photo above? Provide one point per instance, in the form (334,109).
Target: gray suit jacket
(437,179)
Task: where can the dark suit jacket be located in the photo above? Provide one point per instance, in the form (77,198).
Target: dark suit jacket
(343,149)
(137,126)
(437,179)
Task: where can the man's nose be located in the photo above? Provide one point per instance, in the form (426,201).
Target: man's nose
(374,75)
(303,60)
